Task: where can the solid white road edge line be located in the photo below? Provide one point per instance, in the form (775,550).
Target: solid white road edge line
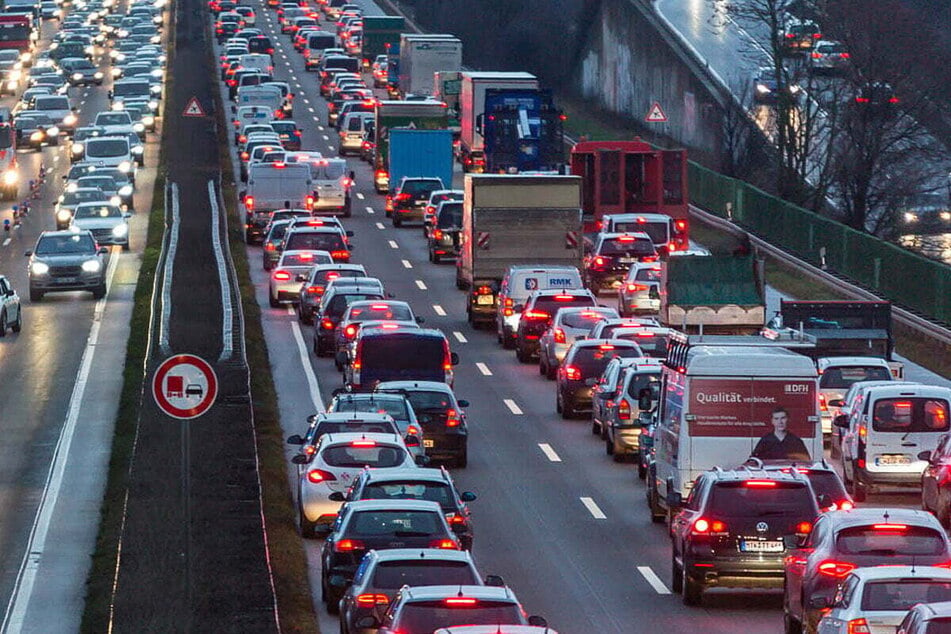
(227,310)
(593,508)
(651,577)
(549,452)
(167,274)
(513,406)
(33,557)
(312,384)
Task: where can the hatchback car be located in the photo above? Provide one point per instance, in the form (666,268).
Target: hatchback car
(313,288)
(333,305)
(292,268)
(444,238)
(107,223)
(67,261)
(345,422)
(639,293)
(567,326)
(11,314)
(393,405)
(624,425)
(607,266)
(409,198)
(537,315)
(583,365)
(442,417)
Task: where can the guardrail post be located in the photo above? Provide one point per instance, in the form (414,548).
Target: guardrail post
(812,236)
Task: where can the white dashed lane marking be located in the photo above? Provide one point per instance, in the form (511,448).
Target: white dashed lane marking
(421,285)
(593,508)
(549,452)
(484,369)
(651,577)
(407,264)
(393,244)
(461,338)
(513,406)
(439,310)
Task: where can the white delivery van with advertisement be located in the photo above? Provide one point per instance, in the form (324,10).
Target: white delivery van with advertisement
(722,404)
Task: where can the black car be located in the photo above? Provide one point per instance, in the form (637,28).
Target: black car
(583,365)
(443,238)
(441,415)
(537,315)
(408,201)
(736,529)
(327,315)
(607,265)
(261,44)
(434,485)
(377,525)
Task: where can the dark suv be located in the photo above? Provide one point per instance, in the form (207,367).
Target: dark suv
(440,415)
(607,265)
(408,200)
(67,261)
(537,315)
(584,364)
(333,305)
(736,529)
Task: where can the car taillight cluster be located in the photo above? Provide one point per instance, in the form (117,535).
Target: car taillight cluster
(282,276)
(572,373)
(836,569)
(535,315)
(703,526)
(452,418)
(455,519)
(633,288)
(327,324)
(559,335)
(319,475)
(349,545)
(370,600)
(623,410)
(444,544)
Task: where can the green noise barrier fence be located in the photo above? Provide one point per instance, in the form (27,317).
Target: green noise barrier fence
(906,278)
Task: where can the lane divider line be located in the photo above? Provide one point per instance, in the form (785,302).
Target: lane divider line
(513,406)
(593,508)
(421,285)
(651,577)
(227,309)
(549,452)
(392,243)
(360,196)
(461,338)
(407,264)
(380,226)
(484,369)
(167,272)
(439,310)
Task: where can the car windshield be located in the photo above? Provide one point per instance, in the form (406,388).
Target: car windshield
(407,352)
(105,184)
(842,377)
(382,310)
(86,133)
(314,241)
(394,407)
(906,415)
(659,231)
(391,575)
(591,360)
(66,245)
(438,492)
(428,616)
(130,89)
(585,319)
(107,148)
(363,455)
(890,539)
(52,103)
(736,499)
(97,211)
(82,197)
(900,595)
(114,118)
(627,247)
(305,259)
(396,523)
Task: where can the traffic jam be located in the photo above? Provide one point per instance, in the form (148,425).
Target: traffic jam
(758,440)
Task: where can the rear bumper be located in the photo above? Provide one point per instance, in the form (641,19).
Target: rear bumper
(409,213)
(737,572)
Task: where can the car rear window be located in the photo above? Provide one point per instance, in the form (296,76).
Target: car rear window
(740,499)
(887,539)
(939,626)
(390,575)
(585,319)
(312,241)
(550,303)
(658,231)
(843,377)
(418,187)
(647,275)
(428,616)
(901,595)
(305,259)
(627,247)
(450,215)
(906,415)
(641,380)
(352,427)
(381,311)
(350,455)
(394,407)
(403,351)
(592,360)
(651,344)
(396,523)
(339,302)
(326,276)
(428,400)
(438,492)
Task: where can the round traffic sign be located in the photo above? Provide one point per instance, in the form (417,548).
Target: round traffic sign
(184,386)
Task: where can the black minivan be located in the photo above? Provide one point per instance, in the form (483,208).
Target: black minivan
(401,355)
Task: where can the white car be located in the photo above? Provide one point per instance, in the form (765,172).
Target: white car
(338,459)
(876,599)
(111,151)
(115,122)
(11,315)
(568,325)
(291,267)
(106,222)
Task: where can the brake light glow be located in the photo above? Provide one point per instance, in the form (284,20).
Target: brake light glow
(315,290)
(349,545)
(282,276)
(822,403)
(452,418)
(459,601)
(444,544)
(563,298)
(455,519)
(644,335)
(599,261)
(631,287)
(370,600)
(572,373)
(319,475)
(764,484)
(623,410)
(350,331)
(535,314)
(704,526)
(890,527)
(437,234)
(606,346)
(858,626)
(837,569)
(804,528)
(559,335)
(340,255)
(363,443)
(327,324)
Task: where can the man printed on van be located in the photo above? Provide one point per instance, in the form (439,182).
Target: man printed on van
(781,444)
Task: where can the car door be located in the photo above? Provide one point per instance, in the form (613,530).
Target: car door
(607,385)
(8,301)
(796,563)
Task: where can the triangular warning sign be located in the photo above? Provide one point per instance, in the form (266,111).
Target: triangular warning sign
(193,108)
(655,114)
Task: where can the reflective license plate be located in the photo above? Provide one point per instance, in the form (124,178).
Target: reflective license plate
(485,300)
(65,280)
(628,260)
(761,547)
(427,442)
(893,459)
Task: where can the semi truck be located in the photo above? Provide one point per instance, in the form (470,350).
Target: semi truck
(446,87)
(472,92)
(521,131)
(380,34)
(511,219)
(425,153)
(714,294)
(419,115)
(421,55)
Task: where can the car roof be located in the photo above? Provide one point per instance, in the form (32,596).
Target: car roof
(594,343)
(936,609)
(874,573)
(640,235)
(907,389)
(341,417)
(429,593)
(408,473)
(393,505)
(831,362)
(347,437)
(417,385)
(413,554)
(876,515)
(339,266)
(626,217)
(422,332)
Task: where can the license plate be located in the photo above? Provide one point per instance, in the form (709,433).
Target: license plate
(761,547)
(427,442)
(628,260)
(65,280)
(485,300)
(894,459)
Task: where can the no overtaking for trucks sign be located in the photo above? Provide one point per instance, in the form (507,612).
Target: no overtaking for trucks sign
(184,386)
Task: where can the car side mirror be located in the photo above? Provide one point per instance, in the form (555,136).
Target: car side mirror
(301,278)
(453,358)
(312,418)
(494,581)
(537,621)
(301,458)
(462,403)
(674,499)
(337,496)
(349,234)
(925,455)
(468,496)
(837,402)
(841,421)
(421,461)
(28,253)
(368,622)
(644,419)
(295,440)
(103,251)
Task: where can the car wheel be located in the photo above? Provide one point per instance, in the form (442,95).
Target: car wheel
(126,246)
(333,603)
(18,324)
(542,365)
(676,576)
(567,411)
(462,461)
(791,625)
(3,324)
(397,221)
(316,347)
(35,295)
(657,513)
(641,470)
(859,491)
(609,447)
(521,355)
(100,291)
(693,591)
(551,373)
(508,341)
(558,402)
(595,428)
(273,301)
(306,527)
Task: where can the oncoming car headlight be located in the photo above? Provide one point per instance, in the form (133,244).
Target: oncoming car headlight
(126,190)
(77,148)
(138,127)
(70,119)
(120,231)
(125,167)
(39,268)
(63,215)
(92,266)
(10,177)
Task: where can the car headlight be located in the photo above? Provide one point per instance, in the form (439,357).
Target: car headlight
(155,89)
(90,50)
(16,75)
(115,72)
(138,127)
(77,76)
(117,105)
(98,75)
(70,119)
(120,231)
(72,187)
(92,266)
(26,57)
(157,73)
(115,201)
(37,136)
(11,85)
(125,167)
(77,148)
(148,120)
(761,89)
(10,177)
(123,33)
(153,105)
(39,268)
(52,130)
(64,215)
(794,89)
(137,149)
(125,191)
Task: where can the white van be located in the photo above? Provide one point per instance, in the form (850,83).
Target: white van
(332,182)
(722,404)
(351,132)
(660,227)
(317,44)
(258,61)
(885,437)
(110,151)
(836,376)
(519,282)
(274,186)
(249,115)
(267,95)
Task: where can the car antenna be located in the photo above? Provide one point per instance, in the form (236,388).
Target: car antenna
(885,515)
(459,594)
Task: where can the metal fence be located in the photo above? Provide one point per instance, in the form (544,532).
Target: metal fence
(906,278)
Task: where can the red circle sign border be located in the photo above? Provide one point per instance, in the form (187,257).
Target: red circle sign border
(177,412)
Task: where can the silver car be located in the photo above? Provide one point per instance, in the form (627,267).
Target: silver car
(568,325)
(107,222)
(639,293)
(291,270)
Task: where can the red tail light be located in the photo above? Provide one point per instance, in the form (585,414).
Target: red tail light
(599,261)
(363,443)
(370,600)
(760,484)
(452,418)
(460,601)
(680,225)
(573,373)
(858,626)
(456,520)
(890,527)
(844,505)
(326,324)
(816,55)
(315,290)
(319,475)
(535,315)
(624,410)
(402,197)
(350,331)
(804,528)
(703,526)
(444,544)
(844,55)
(282,276)
(559,336)
(837,569)
(349,545)
(437,234)
(631,287)
(862,100)
(340,255)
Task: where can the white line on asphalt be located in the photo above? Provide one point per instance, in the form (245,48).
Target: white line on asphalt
(380,225)
(393,244)
(421,285)
(653,579)
(227,309)
(513,406)
(461,338)
(321,128)
(310,109)
(326,138)
(484,369)
(7,241)
(439,310)
(36,544)
(370,210)
(312,384)
(407,264)
(549,452)
(593,508)
(167,273)
(360,196)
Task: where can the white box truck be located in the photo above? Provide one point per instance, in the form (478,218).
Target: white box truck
(421,55)
(274,186)
(514,219)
